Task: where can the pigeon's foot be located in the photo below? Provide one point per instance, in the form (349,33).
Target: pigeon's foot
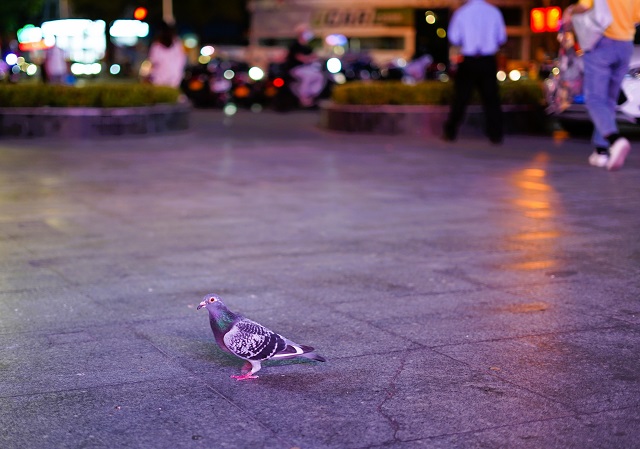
(247,367)
(244,377)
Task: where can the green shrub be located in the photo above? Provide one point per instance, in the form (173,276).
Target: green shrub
(524,92)
(98,95)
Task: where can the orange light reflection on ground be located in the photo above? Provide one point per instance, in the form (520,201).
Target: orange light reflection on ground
(538,186)
(539,214)
(535,199)
(537,235)
(533,173)
(532,265)
(533,204)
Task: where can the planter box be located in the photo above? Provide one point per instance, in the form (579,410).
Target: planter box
(93,122)
(424,120)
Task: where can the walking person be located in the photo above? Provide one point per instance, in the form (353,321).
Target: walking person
(167,57)
(55,69)
(306,80)
(478,29)
(605,65)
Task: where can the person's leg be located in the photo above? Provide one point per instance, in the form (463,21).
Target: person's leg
(620,146)
(597,71)
(597,96)
(311,82)
(463,87)
(605,66)
(296,81)
(316,83)
(490,94)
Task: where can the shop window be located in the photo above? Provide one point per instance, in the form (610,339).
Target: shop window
(513,48)
(512,16)
(285,42)
(376,43)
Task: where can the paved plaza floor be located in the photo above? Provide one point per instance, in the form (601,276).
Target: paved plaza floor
(465,295)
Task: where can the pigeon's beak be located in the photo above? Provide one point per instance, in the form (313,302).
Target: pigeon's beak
(201,305)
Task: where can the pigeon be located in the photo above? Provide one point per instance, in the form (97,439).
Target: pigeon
(249,340)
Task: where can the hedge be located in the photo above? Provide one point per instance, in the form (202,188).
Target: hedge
(96,95)
(375,93)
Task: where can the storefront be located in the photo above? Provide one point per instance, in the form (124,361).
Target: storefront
(387,29)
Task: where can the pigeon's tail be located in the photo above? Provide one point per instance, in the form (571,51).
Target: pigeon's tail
(310,353)
(314,356)
(295,350)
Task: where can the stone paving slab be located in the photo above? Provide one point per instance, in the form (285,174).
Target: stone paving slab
(465,295)
(597,430)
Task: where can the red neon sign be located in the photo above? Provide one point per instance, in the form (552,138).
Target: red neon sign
(545,19)
(538,16)
(554,14)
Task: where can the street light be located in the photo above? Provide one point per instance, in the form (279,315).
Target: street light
(140,13)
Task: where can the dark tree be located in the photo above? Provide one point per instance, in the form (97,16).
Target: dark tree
(218,20)
(14,14)
(214,21)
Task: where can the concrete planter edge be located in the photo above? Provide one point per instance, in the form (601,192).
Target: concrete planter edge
(88,122)
(424,120)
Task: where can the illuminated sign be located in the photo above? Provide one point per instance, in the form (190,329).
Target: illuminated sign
(361,17)
(29,34)
(127,32)
(82,39)
(394,17)
(545,19)
(30,38)
(554,15)
(336,17)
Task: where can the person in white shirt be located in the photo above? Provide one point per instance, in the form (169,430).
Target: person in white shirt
(55,65)
(167,57)
(478,29)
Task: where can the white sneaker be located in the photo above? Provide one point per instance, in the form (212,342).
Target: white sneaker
(598,160)
(618,153)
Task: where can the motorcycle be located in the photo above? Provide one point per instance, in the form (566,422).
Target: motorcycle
(409,72)
(218,83)
(302,87)
(206,86)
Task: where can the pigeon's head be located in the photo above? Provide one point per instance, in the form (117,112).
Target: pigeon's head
(210,299)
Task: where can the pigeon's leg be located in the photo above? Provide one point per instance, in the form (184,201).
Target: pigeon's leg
(255,367)
(246,367)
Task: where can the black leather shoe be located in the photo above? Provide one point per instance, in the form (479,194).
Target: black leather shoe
(448,135)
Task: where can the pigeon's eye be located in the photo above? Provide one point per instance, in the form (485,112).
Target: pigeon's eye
(212,299)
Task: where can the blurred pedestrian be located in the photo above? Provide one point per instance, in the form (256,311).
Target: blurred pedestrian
(167,57)
(605,65)
(478,29)
(307,80)
(55,65)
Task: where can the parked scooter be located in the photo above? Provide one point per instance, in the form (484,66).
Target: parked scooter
(206,86)
(304,86)
(359,67)
(411,71)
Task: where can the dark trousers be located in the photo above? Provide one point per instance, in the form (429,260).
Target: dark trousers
(476,72)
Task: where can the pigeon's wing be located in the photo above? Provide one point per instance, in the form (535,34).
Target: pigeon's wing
(252,341)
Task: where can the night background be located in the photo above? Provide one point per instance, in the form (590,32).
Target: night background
(220,21)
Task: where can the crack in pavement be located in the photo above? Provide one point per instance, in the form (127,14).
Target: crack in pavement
(392,390)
